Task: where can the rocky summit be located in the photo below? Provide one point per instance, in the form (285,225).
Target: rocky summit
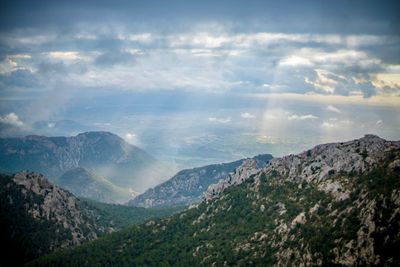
(336,204)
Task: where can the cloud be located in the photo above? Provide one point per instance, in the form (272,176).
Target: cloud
(11,119)
(220,120)
(325,81)
(302,117)
(11,125)
(333,109)
(296,61)
(132,138)
(247,115)
(389,80)
(112,58)
(62,55)
(334,123)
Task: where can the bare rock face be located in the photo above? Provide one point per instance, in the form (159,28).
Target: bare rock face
(329,160)
(188,186)
(47,204)
(244,171)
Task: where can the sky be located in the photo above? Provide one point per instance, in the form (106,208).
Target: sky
(200,82)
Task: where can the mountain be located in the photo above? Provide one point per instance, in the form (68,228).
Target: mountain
(83,183)
(102,153)
(37,217)
(336,204)
(187,186)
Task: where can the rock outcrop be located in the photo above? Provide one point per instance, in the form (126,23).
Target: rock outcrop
(243,172)
(327,160)
(38,217)
(187,186)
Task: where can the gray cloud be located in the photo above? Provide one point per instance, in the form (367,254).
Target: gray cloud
(111,58)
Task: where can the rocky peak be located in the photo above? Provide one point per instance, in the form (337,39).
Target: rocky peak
(34,182)
(327,160)
(243,172)
(47,202)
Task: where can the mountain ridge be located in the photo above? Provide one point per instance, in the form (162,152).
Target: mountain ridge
(187,186)
(102,153)
(292,212)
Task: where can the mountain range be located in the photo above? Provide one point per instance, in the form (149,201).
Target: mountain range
(109,165)
(333,205)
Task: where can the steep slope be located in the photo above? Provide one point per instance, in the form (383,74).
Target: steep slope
(103,153)
(187,186)
(37,217)
(83,183)
(336,204)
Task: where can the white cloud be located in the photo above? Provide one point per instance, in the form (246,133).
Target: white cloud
(382,80)
(334,123)
(332,59)
(209,39)
(296,61)
(379,122)
(325,81)
(14,63)
(11,119)
(220,120)
(333,109)
(247,115)
(62,55)
(132,138)
(302,117)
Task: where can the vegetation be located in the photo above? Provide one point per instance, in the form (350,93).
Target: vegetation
(254,225)
(120,216)
(28,231)
(84,183)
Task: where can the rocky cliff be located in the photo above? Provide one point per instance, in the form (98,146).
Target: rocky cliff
(188,186)
(241,173)
(38,217)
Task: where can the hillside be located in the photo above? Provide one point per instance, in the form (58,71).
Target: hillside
(120,216)
(101,153)
(188,186)
(37,217)
(336,204)
(83,183)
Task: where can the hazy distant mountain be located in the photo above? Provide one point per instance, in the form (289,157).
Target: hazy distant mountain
(102,153)
(187,186)
(83,183)
(337,204)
